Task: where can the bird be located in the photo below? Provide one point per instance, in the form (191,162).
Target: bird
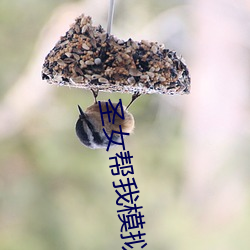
(89,126)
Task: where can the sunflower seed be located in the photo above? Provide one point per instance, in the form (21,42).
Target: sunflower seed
(78,70)
(77,29)
(131,80)
(88,62)
(61,62)
(95,76)
(68,54)
(134,72)
(103,80)
(77,79)
(69,60)
(145,42)
(150,74)
(85,46)
(154,49)
(77,57)
(144,78)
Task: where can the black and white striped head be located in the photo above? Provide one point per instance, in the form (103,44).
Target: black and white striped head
(89,133)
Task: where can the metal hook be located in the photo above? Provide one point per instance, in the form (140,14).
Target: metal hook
(110,16)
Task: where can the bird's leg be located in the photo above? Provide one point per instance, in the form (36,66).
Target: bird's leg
(95,94)
(134,97)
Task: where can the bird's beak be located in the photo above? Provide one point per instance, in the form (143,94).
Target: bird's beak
(82,115)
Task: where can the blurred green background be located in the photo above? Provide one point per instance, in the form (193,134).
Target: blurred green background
(191,153)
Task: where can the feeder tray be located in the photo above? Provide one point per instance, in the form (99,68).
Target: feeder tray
(88,57)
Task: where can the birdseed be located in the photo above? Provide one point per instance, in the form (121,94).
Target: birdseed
(87,57)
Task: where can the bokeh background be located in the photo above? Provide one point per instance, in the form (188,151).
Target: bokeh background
(191,153)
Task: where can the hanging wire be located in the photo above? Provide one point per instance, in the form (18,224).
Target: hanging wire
(110,15)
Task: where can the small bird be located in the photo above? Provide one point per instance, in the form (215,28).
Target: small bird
(89,128)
